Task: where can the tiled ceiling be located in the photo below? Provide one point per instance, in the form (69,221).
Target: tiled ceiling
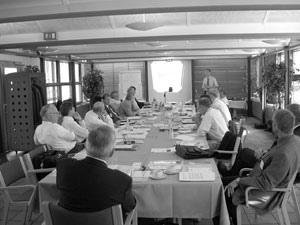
(96,30)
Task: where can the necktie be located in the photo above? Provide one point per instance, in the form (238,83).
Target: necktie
(207,81)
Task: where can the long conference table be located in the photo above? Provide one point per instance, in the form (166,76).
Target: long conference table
(165,198)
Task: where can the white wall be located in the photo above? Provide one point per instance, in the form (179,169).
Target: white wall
(183,95)
(20,59)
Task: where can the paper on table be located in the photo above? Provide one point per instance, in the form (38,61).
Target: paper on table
(141,130)
(197,176)
(162,165)
(185,131)
(188,121)
(138,136)
(185,138)
(123,146)
(158,124)
(188,126)
(152,118)
(172,149)
(199,170)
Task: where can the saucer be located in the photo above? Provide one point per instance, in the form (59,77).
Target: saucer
(171,172)
(158,178)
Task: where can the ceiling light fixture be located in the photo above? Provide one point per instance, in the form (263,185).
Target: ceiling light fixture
(276,41)
(163,53)
(143,26)
(156,44)
(250,50)
(47,49)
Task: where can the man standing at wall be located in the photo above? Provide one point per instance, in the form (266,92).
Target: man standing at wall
(209,82)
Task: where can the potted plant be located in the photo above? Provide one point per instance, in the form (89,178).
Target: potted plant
(93,84)
(274,82)
(33,69)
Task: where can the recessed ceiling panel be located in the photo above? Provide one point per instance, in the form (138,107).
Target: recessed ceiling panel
(227,17)
(284,16)
(56,25)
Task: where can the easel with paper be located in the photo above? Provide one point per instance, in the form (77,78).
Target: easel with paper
(130,78)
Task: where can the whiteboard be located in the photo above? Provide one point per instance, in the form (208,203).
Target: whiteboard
(130,78)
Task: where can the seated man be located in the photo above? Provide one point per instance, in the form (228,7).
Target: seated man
(110,111)
(273,170)
(128,107)
(247,158)
(114,101)
(97,116)
(53,134)
(88,185)
(132,90)
(218,104)
(212,124)
(73,122)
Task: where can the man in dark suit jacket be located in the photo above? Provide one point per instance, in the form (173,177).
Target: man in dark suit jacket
(273,170)
(247,158)
(110,111)
(88,185)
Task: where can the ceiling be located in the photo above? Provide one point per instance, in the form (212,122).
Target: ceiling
(95,30)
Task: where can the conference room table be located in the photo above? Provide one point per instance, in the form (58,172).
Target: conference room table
(164,198)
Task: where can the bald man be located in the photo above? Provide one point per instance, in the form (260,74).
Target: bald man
(97,116)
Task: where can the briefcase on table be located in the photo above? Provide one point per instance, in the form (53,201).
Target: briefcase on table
(192,152)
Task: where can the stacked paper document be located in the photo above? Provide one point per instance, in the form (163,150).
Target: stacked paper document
(160,150)
(197,174)
(162,165)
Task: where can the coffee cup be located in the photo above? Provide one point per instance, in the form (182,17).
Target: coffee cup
(157,173)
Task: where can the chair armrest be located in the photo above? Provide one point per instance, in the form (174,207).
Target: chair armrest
(25,186)
(245,170)
(254,188)
(226,152)
(41,170)
(131,216)
(247,194)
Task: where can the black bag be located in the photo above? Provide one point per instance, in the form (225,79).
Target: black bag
(192,152)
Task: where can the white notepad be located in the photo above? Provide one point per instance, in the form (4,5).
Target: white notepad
(197,176)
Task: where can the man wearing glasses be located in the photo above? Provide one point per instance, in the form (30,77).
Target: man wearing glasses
(53,134)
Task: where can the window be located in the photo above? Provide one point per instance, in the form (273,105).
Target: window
(77,78)
(52,94)
(66,92)
(60,81)
(51,81)
(64,72)
(167,74)
(78,84)
(50,70)
(295,78)
(8,70)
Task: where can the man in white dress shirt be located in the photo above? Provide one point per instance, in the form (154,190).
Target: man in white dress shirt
(212,124)
(53,134)
(218,104)
(67,110)
(97,116)
(209,82)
